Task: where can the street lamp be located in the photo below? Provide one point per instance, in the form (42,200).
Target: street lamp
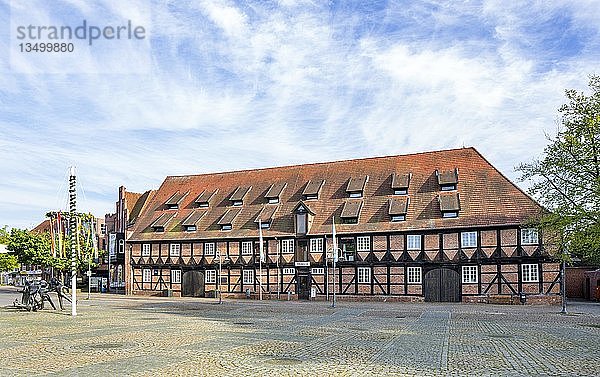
(563,282)
(335,252)
(220,274)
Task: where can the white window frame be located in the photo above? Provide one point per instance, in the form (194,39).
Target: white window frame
(530,273)
(316,245)
(414,275)
(209,249)
(529,236)
(146,275)
(287,246)
(175,250)
(289,271)
(248,277)
(468,239)
(363,243)
(410,242)
(364,275)
(210,276)
(317,271)
(146,249)
(469,274)
(247,247)
(176,276)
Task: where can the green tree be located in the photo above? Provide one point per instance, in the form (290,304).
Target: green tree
(30,248)
(4,235)
(35,249)
(566,180)
(8,262)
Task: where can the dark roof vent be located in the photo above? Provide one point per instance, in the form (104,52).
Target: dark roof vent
(357,184)
(398,206)
(352,209)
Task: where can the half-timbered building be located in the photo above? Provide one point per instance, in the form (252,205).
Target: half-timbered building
(435,226)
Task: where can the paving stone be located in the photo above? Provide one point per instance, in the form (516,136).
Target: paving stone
(116,335)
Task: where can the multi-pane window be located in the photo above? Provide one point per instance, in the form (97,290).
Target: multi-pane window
(530,273)
(414,275)
(364,275)
(146,250)
(529,236)
(287,246)
(248,277)
(316,245)
(289,271)
(317,271)
(209,249)
(175,250)
(210,277)
(468,239)
(413,242)
(363,243)
(146,275)
(469,274)
(247,248)
(176,276)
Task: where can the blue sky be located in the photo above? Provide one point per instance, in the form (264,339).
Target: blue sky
(224,85)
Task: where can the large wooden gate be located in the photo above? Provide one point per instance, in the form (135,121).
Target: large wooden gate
(442,285)
(193,284)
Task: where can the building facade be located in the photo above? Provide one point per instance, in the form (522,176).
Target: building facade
(435,226)
(117,228)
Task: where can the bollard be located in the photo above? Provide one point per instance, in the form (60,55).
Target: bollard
(289,295)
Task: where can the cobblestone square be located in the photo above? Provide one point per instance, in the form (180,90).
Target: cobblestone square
(117,335)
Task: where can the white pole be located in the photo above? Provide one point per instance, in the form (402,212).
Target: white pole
(278,272)
(220,271)
(261,256)
(72,209)
(326,272)
(89,274)
(335,257)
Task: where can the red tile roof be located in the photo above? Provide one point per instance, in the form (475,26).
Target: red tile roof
(486,197)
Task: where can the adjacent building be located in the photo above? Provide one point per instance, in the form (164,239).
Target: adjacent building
(435,226)
(116,229)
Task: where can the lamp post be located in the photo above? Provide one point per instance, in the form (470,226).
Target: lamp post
(219,283)
(563,285)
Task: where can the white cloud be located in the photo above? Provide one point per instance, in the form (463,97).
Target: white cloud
(245,85)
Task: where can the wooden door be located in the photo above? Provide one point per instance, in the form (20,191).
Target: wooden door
(303,287)
(192,284)
(442,285)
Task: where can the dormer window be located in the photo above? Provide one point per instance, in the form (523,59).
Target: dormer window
(161,222)
(398,208)
(203,200)
(447,179)
(237,198)
(351,212)
(175,199)
(312,189)
(356,186)
(226,221)
(303,216)
(449,205)
(400,183)
(265,217)
(190,222)
(274,192)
